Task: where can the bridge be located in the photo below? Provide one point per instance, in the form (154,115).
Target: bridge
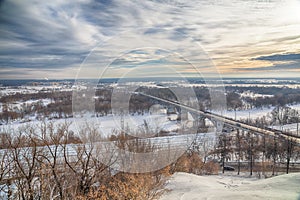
(231,122)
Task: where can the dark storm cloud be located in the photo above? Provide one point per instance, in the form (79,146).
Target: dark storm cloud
(280,57)
(275,67)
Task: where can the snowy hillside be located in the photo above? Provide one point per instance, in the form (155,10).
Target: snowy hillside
(183,186)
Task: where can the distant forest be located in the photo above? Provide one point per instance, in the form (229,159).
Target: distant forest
(60,105)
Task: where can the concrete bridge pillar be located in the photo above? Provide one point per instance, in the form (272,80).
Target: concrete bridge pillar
(201,122)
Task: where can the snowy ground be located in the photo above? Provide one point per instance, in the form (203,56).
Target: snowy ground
(106,125)
(246,114)
(255,112)
(5,91)
(17,106)
(183,186)
(254,95)
(289,128)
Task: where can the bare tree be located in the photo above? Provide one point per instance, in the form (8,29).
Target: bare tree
(272,152)
(23,152)
(52,138)
(251,150)
(224,149)
(239,144)
(83,161)
(289,150)
(5,170)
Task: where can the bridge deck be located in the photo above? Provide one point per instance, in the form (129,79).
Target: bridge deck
(231,122)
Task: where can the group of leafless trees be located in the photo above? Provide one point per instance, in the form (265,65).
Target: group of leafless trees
(59,106)
(275,96)
(37,163)
(262,154)
(49,161)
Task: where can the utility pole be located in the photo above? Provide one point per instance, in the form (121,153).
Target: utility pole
(122,121)
(234,113)
(251,154)
(297,126)
(249,118)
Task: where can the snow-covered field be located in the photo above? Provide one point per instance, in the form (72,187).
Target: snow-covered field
(251,113)
(255,112)
(244,83)
(106,125)
(288,127)
(183,186)
(296,107)
(17,106)
(4,91)
(254,95)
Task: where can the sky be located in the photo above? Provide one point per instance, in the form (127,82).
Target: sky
(151,38)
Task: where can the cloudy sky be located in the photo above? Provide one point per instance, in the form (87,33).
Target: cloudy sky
(89,38)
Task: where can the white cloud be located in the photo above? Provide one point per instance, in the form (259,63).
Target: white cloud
(229,31)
